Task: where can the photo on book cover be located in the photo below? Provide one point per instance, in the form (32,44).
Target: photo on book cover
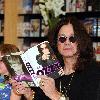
(37,60)
(17,69)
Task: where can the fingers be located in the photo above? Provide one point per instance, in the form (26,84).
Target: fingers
(16,84)
(17,91)
(47,84)
(18,87)
(21,90)
(29,94)
(12,81)
(45,81)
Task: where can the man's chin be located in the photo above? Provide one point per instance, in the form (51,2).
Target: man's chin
(71,55)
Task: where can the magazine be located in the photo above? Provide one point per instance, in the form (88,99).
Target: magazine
(37,60)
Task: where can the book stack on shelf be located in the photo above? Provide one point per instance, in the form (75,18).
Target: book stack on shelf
(1,6)
(96,46)
(29,7)
(30,24)
(1,30)
(98,27)
(98,53)
(29,28)
(93,5)
(75,5)
(1,27)
(1,21)
(92,26)
(82,5)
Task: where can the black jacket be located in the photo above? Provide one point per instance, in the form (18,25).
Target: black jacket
(85,85)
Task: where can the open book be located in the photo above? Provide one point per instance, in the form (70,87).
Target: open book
(37,60)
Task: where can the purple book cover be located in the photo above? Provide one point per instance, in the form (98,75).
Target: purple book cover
(37,60)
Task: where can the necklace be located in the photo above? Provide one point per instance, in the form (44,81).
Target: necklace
(64,89)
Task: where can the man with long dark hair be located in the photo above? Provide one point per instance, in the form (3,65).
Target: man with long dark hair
(74,49)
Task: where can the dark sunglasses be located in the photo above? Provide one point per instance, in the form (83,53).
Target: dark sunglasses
(72,39)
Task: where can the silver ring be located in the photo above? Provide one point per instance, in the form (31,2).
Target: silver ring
(41,83)
(17,91)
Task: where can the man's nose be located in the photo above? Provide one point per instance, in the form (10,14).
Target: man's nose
(67,42)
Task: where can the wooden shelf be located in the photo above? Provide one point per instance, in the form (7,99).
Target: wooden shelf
(82,15)
(31,16)
(1,16)
(34,39)
(1,39)
(95,39)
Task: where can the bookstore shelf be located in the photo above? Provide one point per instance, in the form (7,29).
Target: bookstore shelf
(80,15)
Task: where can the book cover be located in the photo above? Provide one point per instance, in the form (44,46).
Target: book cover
(17,69)
(37,60)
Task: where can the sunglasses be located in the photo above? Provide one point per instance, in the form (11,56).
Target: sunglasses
(72,39)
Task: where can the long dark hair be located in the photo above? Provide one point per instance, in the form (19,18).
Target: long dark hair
(85,46)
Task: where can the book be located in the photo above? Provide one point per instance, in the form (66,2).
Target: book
(27,6)
(37,60)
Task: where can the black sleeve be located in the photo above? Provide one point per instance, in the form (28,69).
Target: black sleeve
(39,94)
